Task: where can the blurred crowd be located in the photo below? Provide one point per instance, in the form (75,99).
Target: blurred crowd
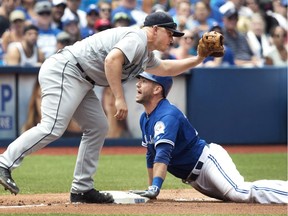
(255,31)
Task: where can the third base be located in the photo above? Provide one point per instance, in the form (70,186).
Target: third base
(122,197)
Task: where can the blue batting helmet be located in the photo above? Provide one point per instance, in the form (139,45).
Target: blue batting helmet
(165,81)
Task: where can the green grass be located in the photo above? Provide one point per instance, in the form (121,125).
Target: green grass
(53,174)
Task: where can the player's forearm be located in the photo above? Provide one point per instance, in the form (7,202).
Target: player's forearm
(157,177)
(176,67)
(160,170)
(150,175)
(113,74)
(115,84)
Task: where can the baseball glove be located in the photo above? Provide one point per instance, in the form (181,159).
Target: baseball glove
(211,44)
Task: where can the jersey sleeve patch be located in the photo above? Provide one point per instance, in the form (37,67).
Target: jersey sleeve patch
(159,128)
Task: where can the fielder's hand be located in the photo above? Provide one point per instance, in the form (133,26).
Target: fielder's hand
(152,192)
(122,109)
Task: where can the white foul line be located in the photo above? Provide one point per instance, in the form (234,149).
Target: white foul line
(23,206)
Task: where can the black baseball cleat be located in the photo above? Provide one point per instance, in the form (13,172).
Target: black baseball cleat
(92,196)
(7,181)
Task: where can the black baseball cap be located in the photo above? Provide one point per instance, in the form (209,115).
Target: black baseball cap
(30,27)
(163,19)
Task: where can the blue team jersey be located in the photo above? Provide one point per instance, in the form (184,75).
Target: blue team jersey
(167,125)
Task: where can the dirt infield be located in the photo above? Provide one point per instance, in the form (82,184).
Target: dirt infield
(59,203)
(184,201)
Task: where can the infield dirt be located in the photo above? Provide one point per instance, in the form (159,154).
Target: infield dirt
(174,202)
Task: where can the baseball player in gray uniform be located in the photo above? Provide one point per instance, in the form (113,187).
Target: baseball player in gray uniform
(67,79)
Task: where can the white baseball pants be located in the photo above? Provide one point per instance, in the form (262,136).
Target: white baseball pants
(220,179)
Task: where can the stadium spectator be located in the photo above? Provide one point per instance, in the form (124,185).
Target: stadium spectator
(117,128)
(253,5)
(7,6)
(214,10)
(244,13)
(73,9)
(237,41)
(92,14)
(172,7)
(158,7)
(105,10)
(239,5)
(277,55)
(115,4)
(186,43)
(202,21)
(71,26)
(102,24)
(129,7)
(58,8)
(150,5)
(47,35)
(63,39)
(279,12)
(257,38)
(183,16)
(16,31)
(262,7)
(121,19)
(27,6)
(26,52)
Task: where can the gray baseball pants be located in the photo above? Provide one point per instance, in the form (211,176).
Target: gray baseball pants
(65,94)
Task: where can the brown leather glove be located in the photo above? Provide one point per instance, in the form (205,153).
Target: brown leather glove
(211,44)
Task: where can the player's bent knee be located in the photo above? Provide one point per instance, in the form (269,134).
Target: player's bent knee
(53,131)
(238,196)
(96,131)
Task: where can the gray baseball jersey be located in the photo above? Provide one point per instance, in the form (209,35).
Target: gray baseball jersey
(91,52)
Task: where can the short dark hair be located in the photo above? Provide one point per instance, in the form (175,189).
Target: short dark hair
(30,27)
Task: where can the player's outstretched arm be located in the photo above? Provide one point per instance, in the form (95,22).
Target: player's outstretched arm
(211,44)
(175,67)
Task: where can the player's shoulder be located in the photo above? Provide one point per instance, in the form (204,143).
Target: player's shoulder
(122,32)
(168,108)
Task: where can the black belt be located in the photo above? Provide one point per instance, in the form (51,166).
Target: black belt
(86,76)
(192,176)
(70,57)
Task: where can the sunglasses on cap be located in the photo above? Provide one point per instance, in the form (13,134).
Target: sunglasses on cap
(45,13)
(106,9)
(190,37)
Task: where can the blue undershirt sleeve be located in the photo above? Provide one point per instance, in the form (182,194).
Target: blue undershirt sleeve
(163,153)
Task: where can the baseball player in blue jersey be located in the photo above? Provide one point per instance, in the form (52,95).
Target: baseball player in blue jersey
(174,145)
(67,79)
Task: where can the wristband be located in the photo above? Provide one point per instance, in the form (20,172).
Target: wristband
(157,181)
